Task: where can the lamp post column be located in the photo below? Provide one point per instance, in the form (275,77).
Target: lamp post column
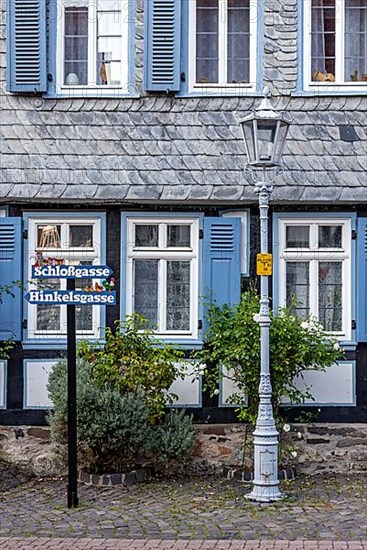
(265,483)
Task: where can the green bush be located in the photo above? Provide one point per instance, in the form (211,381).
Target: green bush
(175,436)
(114,427)
(130,360)
(296,345)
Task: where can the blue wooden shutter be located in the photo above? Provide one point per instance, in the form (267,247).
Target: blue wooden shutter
(26,42)
(10,271)
(362,280)
(222,260)
(162,45)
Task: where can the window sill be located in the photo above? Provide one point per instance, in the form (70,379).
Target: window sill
(87,93)
(50,344)
(348,345)
(187,344)
(220,92)
(331,91)
(61,344)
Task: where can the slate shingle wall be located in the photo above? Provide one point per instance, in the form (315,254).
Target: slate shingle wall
(181,149)
(280,45)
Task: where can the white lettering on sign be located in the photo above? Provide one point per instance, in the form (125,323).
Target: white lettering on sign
(71,297)
(71,271)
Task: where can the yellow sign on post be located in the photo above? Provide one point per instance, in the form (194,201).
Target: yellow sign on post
(264,264)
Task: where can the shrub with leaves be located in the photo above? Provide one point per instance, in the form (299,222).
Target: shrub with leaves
(296,345)
(130,360)
(175,436)
(114,428)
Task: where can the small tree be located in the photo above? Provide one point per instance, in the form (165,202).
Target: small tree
(296,345)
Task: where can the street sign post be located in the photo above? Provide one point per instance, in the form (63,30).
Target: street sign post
(70,297)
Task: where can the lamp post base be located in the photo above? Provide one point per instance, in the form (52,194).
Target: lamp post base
(265,483)
(264,494)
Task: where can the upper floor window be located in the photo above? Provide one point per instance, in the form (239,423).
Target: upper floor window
(315,270)
(74,47)
(335,43)
(222,44)
(92,44)
(75,241)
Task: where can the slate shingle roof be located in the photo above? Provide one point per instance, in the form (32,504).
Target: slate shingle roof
(188,150)
(176,150)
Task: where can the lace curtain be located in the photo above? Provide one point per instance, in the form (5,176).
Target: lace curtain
(355,66)
(324,15)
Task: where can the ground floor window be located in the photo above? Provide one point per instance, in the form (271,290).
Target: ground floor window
(315,270)
(162,273)
(74,241)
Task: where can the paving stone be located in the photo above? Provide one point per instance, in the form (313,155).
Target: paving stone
(316,509)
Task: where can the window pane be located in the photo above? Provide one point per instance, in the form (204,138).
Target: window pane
(297,277)
(109,43)
(330,295)
(330,236)
(49,236)
(178,295)
(207,14)
(146,289)
(297,236)
(238,57)
(178,236)
(76,45)
(355,68)
(323,40)
(146,235)
(48,317)
(81,236)
(83,313)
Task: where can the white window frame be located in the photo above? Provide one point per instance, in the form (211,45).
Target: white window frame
(340,84)
(92,86)
(162,253)
(313,255)
(91,255)
(222,85)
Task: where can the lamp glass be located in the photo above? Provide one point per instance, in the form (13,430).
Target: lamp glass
(249,139)
(283,127)
(265,139)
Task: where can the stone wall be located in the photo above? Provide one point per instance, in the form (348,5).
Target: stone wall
(311,448)
(320,448)
(29,448)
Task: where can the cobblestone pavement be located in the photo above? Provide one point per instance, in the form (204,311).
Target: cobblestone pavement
(112,544)
(187,514)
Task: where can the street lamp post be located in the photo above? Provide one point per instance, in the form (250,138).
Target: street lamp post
(264,134)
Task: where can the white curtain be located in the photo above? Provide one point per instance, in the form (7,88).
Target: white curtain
(318,37)
(355,40)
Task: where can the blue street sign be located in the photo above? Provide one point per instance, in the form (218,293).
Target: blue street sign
(71,271)
(71,297)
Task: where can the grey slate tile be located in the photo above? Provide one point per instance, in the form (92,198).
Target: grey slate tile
(144,192)
(79,192)
(6,189)
(106,192)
